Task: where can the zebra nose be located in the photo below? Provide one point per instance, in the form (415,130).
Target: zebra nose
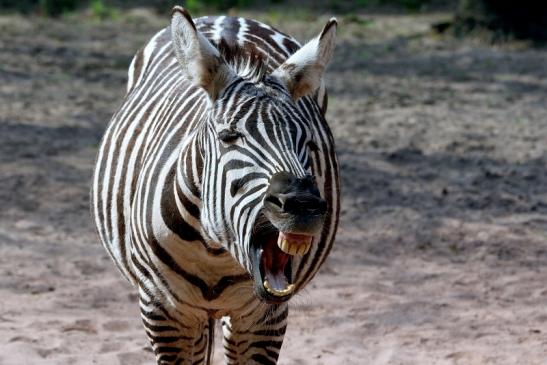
(297,196)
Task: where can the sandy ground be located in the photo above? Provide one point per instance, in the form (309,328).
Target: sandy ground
(442,250)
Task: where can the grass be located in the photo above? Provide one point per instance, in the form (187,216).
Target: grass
(101,11)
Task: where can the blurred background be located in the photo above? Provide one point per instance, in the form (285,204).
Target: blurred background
(438,109)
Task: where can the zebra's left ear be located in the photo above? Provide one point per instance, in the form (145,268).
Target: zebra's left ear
(303,71)
(201,62)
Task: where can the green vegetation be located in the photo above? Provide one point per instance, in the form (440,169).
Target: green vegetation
(44,7)
(106,8)
(101,11)
(409,5)
(454,248)
(57,7)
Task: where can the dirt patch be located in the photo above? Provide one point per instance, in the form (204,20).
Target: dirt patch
(442,252)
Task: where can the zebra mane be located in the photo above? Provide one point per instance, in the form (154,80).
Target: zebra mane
(248,62)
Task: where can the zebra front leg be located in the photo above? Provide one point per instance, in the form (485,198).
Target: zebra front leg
(255,336)
(176,338)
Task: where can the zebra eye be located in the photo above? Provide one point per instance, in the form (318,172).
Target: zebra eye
(312,146)
(229,135)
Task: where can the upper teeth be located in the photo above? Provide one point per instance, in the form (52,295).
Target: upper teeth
(294,247)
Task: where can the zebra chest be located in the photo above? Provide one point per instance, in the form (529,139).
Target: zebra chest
(195,273)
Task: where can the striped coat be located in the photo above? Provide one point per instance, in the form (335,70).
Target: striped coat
(214,109)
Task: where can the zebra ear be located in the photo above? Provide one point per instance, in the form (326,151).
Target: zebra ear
(200,60)
(302,72)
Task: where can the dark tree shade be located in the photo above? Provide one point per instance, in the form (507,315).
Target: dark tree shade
(524,19)
(46,7)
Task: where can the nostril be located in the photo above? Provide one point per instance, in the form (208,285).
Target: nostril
(274,200)
(322,207)
(305,206)
(318,206)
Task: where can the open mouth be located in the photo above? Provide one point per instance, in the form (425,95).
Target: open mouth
(272,254)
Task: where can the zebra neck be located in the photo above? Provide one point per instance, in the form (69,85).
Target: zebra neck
(187,187)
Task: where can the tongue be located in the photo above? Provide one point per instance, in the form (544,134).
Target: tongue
(274,261)
(277,281)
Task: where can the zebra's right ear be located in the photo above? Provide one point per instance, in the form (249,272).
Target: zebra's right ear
(200,60)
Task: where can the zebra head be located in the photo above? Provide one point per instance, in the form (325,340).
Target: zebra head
(259,196)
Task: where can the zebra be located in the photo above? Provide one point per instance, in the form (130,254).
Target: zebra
(216,184)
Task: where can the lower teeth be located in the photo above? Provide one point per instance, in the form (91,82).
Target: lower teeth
(278,293)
